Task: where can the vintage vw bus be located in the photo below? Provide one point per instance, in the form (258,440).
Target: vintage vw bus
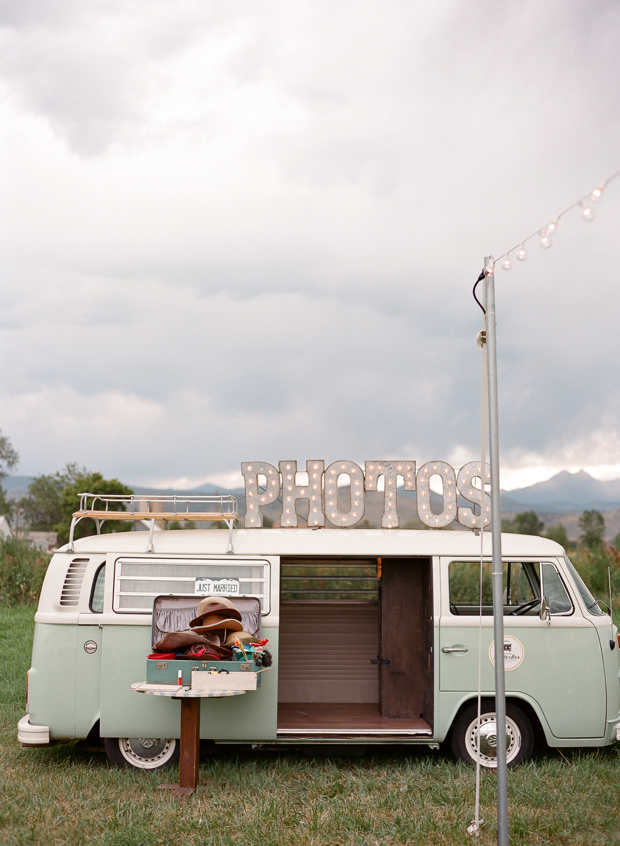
(374,636)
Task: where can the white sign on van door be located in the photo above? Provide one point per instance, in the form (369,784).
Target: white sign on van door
(513,653)
(217,587)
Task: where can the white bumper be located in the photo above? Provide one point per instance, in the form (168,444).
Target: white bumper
(618,732)
(32,735)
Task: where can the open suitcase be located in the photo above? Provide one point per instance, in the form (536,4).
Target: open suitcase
(173,614)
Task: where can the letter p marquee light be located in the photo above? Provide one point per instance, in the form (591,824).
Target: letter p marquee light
(254,497)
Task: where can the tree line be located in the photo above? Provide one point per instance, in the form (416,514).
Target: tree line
(51,499)
(591,525)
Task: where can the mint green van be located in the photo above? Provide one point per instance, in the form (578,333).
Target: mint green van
(374,636)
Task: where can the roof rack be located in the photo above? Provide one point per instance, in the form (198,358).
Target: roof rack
(102,507)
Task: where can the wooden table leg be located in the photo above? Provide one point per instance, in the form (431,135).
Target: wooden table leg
(189,759)
(189,754)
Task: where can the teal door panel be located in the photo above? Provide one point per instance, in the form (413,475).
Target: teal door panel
(87,679)
(51,680)
(125,713)
(559,665)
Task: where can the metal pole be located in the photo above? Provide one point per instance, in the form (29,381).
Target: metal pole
(497,573)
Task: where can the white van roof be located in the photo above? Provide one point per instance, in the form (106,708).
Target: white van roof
(327,542)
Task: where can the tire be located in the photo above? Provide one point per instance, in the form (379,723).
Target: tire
(142,753)
(464,735)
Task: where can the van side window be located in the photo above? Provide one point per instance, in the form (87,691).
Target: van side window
(521,588)
(554,590)
(96,599)
(137,581)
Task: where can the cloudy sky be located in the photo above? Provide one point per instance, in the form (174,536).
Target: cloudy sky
(241,230)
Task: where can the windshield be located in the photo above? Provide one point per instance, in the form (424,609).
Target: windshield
(590,601)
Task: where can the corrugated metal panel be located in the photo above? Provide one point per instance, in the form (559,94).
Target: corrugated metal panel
(70,594)
(325,653)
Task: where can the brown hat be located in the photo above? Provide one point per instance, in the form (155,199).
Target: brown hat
(217,621)
(213,605)
(172,641)
(242,637)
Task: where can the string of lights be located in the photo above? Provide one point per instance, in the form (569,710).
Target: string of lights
(588,212)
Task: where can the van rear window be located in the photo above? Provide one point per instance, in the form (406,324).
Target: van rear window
(137,581)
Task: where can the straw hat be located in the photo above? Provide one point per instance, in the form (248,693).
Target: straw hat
(242,637)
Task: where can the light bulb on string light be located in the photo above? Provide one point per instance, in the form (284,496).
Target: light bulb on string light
(545,239)
(587,212)
(595,195)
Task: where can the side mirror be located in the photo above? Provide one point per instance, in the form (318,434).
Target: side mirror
(545,611)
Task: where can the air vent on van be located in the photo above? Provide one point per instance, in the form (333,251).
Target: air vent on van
(70,594)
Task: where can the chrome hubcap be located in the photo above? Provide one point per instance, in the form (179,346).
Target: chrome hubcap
(486,735)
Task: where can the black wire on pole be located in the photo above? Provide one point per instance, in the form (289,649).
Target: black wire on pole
(478,281)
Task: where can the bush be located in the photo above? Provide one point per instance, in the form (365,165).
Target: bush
(592,566)
(22,569)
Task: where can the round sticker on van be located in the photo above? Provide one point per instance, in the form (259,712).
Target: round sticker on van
(513,652)
(90,646)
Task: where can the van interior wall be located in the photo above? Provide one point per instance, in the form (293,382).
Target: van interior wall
(325,652)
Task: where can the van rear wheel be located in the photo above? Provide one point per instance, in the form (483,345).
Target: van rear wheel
(467,732)
(142,753)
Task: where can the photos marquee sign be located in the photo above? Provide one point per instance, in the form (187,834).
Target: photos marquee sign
(265,483)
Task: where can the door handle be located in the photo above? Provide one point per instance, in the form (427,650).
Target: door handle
(454,649)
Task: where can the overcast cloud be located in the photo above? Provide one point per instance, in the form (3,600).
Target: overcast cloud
(249,231)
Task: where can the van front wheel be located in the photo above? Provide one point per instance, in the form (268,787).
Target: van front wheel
(467,733)
(142,753)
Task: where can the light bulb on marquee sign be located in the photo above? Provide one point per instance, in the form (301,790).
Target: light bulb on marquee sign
(254,497)
(332,506)
(321,492)
(291,493)
(390,470)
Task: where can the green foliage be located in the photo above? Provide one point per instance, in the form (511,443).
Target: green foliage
(6,506)
(617,541)
(592,525)
(592,565)
(525,523)
(8,456)
(8,460)
(558,534)
(42,508)
(22,569)
(70,500)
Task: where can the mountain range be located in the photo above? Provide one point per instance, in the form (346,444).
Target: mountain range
(563,493)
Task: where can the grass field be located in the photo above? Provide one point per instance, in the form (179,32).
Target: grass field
(65,796)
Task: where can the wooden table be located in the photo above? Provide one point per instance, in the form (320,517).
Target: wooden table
(189,754)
